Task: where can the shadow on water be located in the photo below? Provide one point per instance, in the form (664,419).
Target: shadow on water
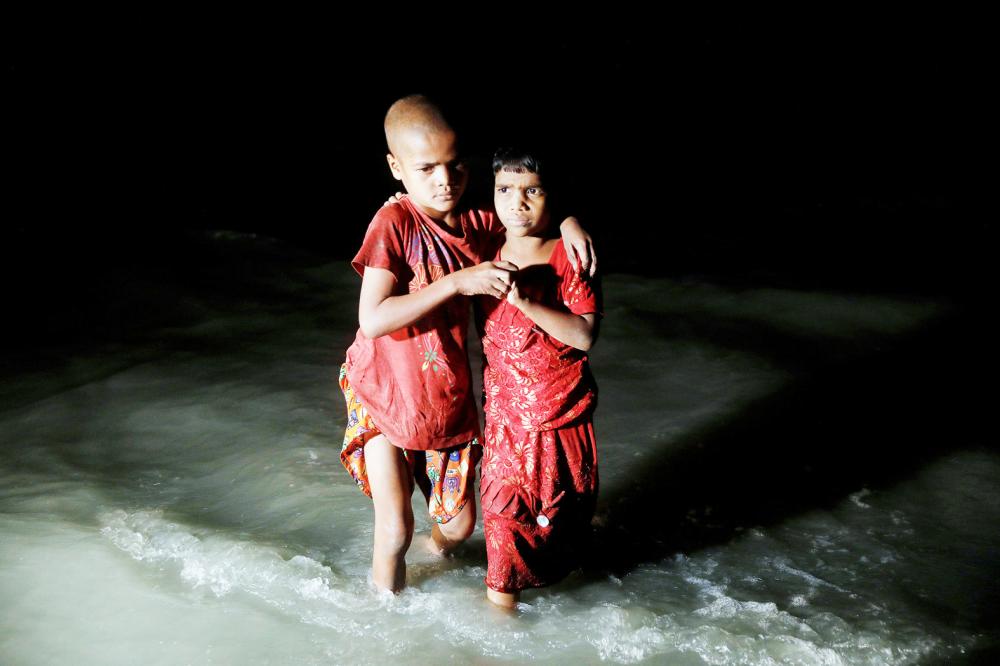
(848,421)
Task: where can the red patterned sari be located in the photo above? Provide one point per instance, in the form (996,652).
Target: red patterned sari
(539,471)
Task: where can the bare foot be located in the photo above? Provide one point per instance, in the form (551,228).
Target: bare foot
(430,546)
(444,544)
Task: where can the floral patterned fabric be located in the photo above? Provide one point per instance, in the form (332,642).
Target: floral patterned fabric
(537,522)
(446,476)
(539,474)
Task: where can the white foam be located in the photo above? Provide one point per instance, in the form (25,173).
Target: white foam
(858,496)
(224,566)
(312,592)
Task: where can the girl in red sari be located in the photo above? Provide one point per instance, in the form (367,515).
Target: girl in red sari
(539,471)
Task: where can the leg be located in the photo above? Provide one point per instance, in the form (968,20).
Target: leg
(506,600)
(448,480)
(450,535)
(391,485)
(501,570)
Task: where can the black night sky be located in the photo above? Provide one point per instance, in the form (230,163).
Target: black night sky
(814,155)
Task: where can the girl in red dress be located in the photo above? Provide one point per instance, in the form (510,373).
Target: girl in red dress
(539,471)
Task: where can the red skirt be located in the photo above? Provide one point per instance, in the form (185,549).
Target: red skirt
(539,491)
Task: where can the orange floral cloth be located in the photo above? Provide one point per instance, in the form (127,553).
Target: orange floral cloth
(445,476)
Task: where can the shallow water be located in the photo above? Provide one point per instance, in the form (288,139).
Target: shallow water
(788,477)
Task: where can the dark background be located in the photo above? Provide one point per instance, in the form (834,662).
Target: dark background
(805,152)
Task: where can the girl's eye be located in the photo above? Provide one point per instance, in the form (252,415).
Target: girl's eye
(502,190)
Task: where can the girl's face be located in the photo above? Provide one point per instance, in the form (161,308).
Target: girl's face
(519,199)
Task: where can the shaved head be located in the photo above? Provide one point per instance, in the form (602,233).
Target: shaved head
(423,154)
(412,113)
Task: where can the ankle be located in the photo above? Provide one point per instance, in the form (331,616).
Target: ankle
(506,600)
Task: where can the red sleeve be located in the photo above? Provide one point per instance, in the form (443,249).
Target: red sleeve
(384,246)
(580,293)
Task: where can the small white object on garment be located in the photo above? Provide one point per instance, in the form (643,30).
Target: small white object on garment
(542,520)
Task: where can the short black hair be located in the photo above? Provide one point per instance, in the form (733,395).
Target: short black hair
(515,158)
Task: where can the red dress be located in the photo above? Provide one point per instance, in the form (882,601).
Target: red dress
(539,470)
(415,382)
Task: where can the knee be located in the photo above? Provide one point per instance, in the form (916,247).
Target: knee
(393,536)
(461,526)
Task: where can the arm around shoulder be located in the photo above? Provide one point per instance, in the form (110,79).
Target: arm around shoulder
(579,246)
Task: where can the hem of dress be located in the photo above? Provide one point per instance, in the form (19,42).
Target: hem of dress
(530,586)
(437,445)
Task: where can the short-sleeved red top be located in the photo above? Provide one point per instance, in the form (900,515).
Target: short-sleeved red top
(415,382)
(534,382)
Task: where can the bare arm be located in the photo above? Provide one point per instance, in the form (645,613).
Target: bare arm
(379,312)
(579,331)
(579,246)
